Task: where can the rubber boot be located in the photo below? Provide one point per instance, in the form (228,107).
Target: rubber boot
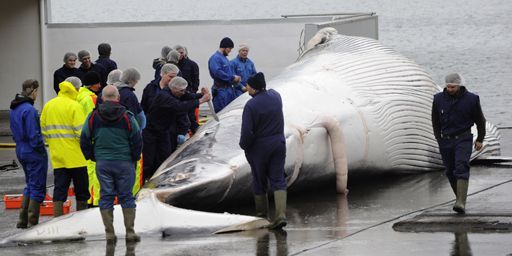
(23,221)
(81,205)
(33,213)
(57,208)
(261,205)
(129,221)
(280,202)
(107,216)
(453,184)
(462,192)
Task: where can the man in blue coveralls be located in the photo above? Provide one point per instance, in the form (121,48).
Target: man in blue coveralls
(243,66)
(223,76)
(30,151)
(454,111)
(262,139)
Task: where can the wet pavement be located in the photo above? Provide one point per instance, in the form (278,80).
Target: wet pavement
(322,222)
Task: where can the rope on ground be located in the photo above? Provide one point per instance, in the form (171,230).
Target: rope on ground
(8,167)
(395,218)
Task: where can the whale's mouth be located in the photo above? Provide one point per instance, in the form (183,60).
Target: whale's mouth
(177,175)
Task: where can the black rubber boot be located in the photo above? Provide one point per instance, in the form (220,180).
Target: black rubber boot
(108,221)
(453,184)
(57,208)
(129,222)
(23,219)
(81,205)
(462,193)
(33,213)
(261,205)
(280,202)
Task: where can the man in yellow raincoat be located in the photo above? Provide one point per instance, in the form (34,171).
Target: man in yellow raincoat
(61,123)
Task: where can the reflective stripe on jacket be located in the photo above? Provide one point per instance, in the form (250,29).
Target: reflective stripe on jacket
(61,124)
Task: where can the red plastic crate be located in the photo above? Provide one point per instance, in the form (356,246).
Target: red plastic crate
(13,201)
(47,208)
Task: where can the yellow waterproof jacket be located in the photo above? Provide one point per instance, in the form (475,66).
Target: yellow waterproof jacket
(61,123)
(87,99)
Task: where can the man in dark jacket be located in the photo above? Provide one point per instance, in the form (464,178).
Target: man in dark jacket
(111,136)
(87,65)
(167,111)
(168,72)
(454,111)
(128,80)
(30,151)
(190,71)
(67,70)
(104,59)
(262,139)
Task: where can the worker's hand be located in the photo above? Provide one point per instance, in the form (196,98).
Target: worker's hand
(204,91)
(181,139)
(237,79)
(478,145)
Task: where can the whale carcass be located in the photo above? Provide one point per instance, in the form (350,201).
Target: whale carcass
(350,105)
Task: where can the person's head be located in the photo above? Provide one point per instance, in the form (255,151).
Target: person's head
(92,81)
(256,83)
(226,44)
(168,72)
(173,57)
(104,49)
(114,77)
(75,81)
(453,83)
(165,50)
(178,86)
(243,51)
(85,57)
(29,88)
(70,59)
(130,76)
(181,50)
(110,93)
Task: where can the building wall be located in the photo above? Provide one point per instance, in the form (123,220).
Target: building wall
(20,47)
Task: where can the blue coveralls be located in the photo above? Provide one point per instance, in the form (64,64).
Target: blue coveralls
(244,68)
(30,149)
(262,139)
(452,119)
(223,91)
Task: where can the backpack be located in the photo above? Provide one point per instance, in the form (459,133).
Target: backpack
(93,115)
